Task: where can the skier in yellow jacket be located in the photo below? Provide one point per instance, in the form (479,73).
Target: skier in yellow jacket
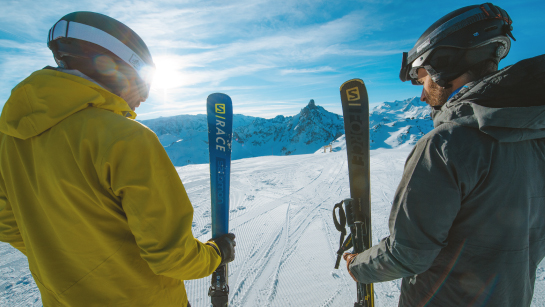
(87,193)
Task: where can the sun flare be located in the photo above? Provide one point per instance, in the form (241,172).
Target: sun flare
(168,72)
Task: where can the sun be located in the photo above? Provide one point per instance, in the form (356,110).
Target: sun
(168,72)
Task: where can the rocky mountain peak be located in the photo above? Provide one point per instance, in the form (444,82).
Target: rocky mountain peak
(311,110)
(392,124)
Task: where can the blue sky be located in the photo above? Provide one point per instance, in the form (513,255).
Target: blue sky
(271,57)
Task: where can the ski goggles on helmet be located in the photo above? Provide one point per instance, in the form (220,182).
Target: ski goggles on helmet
(410,71)
(74,30)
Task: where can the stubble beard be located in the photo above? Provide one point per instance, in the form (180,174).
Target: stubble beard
(437,96)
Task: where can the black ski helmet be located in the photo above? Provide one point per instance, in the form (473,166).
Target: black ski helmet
(458,41)
(88,34)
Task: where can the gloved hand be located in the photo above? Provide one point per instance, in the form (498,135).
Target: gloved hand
(349,258)
(226,245)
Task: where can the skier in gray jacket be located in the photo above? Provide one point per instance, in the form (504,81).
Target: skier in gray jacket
(467,226)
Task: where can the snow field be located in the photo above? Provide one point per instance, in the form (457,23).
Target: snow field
(17,287)
(286,241)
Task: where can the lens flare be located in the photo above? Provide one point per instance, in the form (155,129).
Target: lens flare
(168,72)
(105,65)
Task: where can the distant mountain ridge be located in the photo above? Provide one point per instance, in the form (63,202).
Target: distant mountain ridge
(392,124)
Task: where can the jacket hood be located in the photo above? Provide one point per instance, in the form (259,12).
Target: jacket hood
(48,96)
(508,105)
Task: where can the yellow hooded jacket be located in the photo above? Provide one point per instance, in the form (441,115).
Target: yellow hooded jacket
(91,198)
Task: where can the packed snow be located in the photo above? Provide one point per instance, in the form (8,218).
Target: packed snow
(286,240)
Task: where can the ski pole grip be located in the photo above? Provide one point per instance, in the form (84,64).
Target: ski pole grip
(349,212)
(353,212)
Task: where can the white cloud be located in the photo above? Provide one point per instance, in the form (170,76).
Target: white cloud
(306,71)
(18,61)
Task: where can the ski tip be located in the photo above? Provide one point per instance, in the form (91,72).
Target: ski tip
(352,80)
(218,96)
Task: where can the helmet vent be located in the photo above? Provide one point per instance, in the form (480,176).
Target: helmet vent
(490,28)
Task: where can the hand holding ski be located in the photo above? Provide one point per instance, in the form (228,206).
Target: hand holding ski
(226,247)
(348,257)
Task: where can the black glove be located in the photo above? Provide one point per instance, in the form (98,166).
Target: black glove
(226,245)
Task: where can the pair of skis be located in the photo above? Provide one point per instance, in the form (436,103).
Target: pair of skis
(357,209)
(355,106)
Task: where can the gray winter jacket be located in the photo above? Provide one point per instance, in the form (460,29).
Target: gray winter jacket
(467,226)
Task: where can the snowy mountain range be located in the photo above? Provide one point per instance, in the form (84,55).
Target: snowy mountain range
(392,124)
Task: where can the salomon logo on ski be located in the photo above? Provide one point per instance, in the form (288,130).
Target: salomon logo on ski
(353,94)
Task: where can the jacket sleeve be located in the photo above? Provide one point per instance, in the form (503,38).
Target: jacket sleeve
(9,231)
(426,203)
(137,170)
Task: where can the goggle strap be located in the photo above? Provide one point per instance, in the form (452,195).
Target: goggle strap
(72,29)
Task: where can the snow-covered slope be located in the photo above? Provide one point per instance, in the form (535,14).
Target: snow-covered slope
(393,124)
(337,145)
(286,240)
(399,123)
